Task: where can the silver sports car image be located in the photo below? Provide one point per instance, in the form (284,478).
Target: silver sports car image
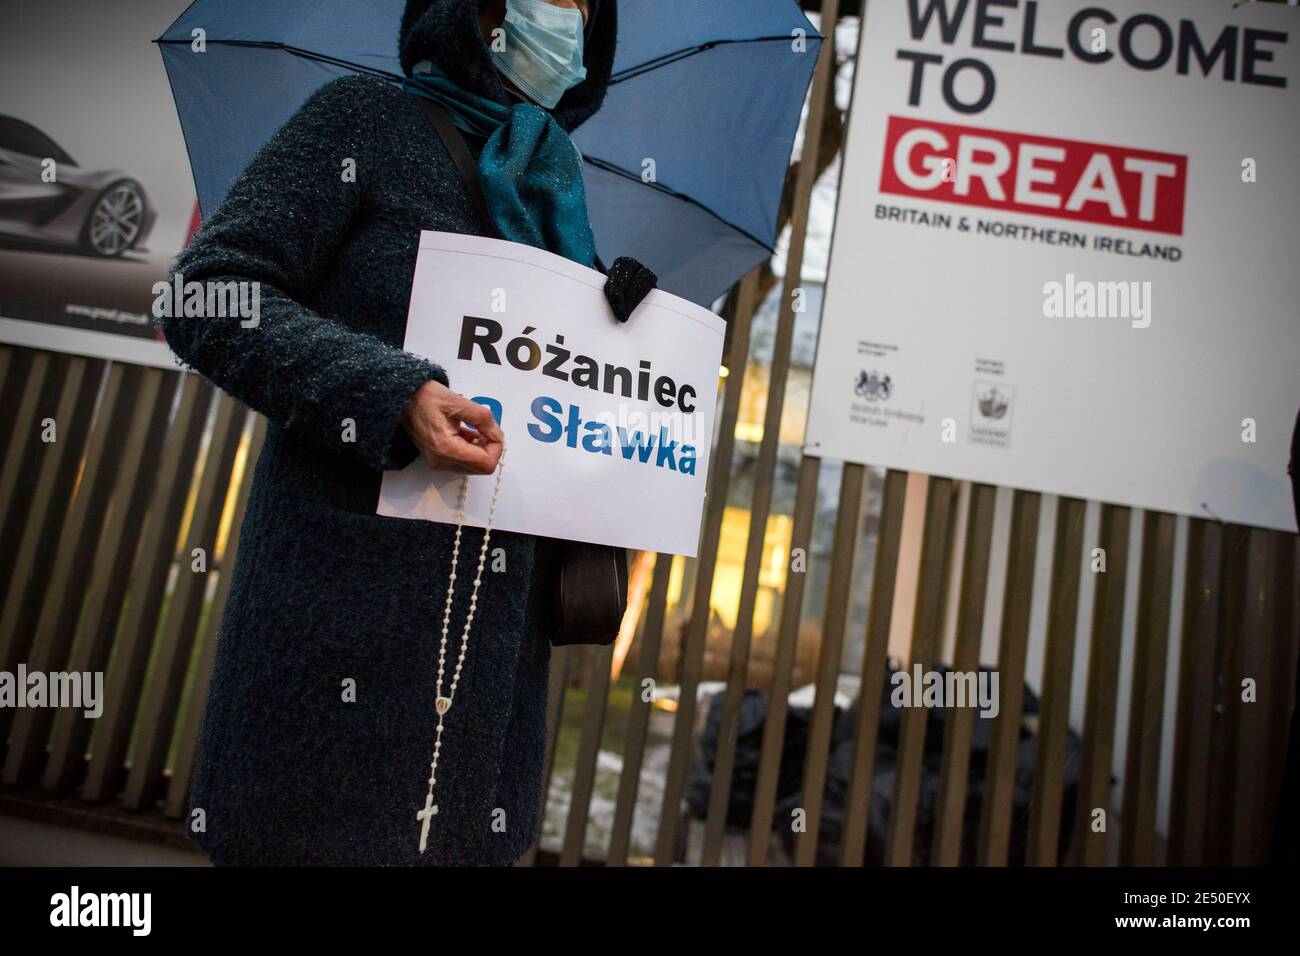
(104,213)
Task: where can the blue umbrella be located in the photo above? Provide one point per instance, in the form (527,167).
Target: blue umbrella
(704,102)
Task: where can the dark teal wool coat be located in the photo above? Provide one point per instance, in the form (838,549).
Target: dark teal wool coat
(325,591)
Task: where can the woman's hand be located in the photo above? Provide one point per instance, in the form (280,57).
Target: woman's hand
(438,420)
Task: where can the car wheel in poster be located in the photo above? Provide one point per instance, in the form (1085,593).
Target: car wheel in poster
(115,219)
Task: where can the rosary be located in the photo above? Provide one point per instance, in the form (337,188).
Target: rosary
(443,704)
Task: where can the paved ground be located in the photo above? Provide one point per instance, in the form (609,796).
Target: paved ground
(28,843)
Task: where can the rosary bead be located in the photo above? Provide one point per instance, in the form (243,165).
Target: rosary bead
(442,704)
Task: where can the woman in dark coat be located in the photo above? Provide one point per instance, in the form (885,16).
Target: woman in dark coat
(294,767)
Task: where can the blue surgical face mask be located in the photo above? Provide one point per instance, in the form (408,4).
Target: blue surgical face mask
(543,50)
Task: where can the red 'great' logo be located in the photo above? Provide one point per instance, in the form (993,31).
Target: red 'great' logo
(1063,178)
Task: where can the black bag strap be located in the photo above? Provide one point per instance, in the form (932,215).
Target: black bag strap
(460,155)
(454,140)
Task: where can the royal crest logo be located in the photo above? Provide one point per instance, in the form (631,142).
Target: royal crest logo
(991,410)
(993,404)
(873,386)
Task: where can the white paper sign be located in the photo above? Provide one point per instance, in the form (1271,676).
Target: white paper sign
(1065,252)
(607,425)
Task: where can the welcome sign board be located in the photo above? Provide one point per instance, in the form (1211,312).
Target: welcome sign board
(1064,252)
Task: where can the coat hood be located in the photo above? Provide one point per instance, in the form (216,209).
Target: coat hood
(447,33)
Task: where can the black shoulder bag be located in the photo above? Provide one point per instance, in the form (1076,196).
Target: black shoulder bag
(590,594)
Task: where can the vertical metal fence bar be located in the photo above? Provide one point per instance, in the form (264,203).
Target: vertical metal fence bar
(1004,745)
(1280,668)
(620,837)
(30,386)
(1230,632)
(1045,810)
(1147,694)
(875,654)
(769,761)
(557,682)
(15,376)
(1103,688)
(178,790)
(950,809)
(7,359)
(1202,599)
(148,582)
(848,527)
(161,700)
(926,626)
(1245,682)
(584,773)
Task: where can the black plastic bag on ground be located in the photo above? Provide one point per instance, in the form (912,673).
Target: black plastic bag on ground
(840,766)
(749,745)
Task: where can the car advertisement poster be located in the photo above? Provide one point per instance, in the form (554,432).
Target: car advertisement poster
(96,197)
(1045,274)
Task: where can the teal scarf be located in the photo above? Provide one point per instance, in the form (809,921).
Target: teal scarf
(531,171)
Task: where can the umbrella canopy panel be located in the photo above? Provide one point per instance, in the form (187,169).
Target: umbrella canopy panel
(715,137)
(704,103)
(231,100)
